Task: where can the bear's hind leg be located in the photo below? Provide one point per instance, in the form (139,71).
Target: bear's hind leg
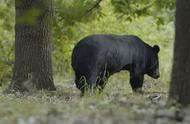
(92,81)
(102,80)
(87,82)
(80,81)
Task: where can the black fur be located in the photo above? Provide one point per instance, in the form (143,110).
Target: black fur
(97,57)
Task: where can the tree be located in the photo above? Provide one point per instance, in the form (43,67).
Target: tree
(180,84)
(33,38)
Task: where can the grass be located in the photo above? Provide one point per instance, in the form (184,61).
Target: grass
(117,104)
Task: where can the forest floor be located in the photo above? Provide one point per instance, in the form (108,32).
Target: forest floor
(116,105)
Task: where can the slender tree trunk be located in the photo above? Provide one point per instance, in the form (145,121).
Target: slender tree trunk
(33,45)
(180,84)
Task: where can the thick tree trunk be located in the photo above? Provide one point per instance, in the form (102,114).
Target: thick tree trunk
(33,45)
(180,84)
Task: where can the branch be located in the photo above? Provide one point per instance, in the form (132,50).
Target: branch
(94,7)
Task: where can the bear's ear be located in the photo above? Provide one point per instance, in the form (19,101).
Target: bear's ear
(156,48)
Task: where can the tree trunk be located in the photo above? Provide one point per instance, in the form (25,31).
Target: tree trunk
(33,38)
(180,84)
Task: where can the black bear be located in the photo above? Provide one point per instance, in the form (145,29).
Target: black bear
(96,57)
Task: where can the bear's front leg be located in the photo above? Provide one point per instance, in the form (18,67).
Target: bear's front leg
(136,81)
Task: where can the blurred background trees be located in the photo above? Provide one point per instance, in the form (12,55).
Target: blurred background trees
(152,20)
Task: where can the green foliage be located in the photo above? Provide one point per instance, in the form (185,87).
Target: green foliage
(71,11)
(130,9)
(73,21)
(6,38)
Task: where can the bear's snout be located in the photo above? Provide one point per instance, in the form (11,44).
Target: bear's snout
(156,76)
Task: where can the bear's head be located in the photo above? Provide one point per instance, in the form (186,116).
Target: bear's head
(153,64)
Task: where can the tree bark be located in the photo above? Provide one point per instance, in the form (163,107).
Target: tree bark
(180,84)
(33,38)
